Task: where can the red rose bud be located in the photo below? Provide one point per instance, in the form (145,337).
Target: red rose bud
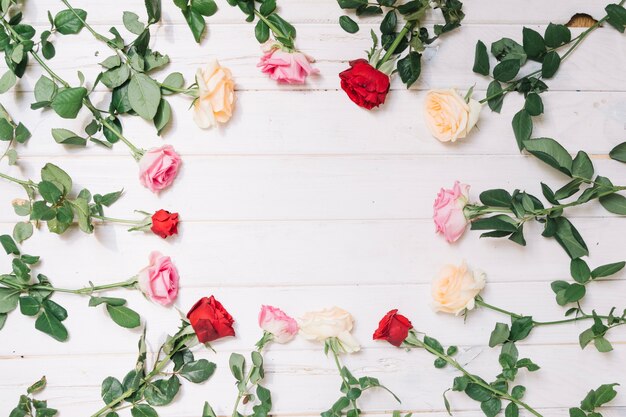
(210,320)
(164,223)
(393,328)
(364,84)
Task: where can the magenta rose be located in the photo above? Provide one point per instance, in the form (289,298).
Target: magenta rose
(159,280)
(448,214)
(273,320)
(158,168)
(286,67)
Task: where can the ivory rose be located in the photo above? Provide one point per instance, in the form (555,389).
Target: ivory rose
(282,327)
(158,167)
(216,95)
(448,213)
(455,289)
(448,116)
(159,280)
(329,323)
(291,67)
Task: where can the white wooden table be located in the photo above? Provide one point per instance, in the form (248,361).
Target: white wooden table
(305,201)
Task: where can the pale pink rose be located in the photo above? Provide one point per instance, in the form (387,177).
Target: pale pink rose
(448,211)
(286,67)
(158,168)
(448,116)
(159,280)
(273,320)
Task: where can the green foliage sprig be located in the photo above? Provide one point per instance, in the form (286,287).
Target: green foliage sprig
(512,211)
(412,37)
(144,388)
(12,133)
(549,50)
(594,399)
(351,388)
(33,295)
(29,406)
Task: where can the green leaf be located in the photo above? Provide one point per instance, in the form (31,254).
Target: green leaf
(494,91)
(347,24)
(132,23)
(615,203)
(602,344)
(68,23)
(616,16)
(57,176)
(6,130)
(478,393)
(604,394)
(209,7)
(143,410)
(618,153)
(518,392)
(236,364)
(557,35)
(607,270)
(508,49)
(68,102)
(410,68)
(67,137)
(48,323)
(506,70)
(9,298)
(153,8)
(574,292)
(551,152)
(7,81)
(29,306)
(124,316)
(115,77)
(111,390)
(500,334)
(96,301)
(207,411)
(569,238)
(582,167)
(550,65)
(534,45)
(144,95)
(162,392)
(262,31)
(196,24)
(500,222)
(49,192)
(389,23)
(522,127)
(496,198)
(197,371)
(533,104)
(511,410)
(22,134)
(481,59)
(22,231)
(491,407)
(580,270)
(163,116)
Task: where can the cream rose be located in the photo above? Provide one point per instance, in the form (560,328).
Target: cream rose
(448,116)
(330,323)
(455,289)
(216,95)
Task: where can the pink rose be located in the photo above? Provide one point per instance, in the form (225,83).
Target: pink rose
(159,280)
(448,211)
(158,168)
(286,67)
(273,320)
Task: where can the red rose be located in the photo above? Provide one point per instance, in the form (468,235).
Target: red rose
(210,320)
(364,84)
(393,328)
(164,223)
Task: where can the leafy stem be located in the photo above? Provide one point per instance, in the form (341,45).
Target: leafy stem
(342,374)
(408,27)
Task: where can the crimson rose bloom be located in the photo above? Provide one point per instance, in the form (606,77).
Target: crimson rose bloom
(210,320)
(164,223)
(393,328)
(364,84)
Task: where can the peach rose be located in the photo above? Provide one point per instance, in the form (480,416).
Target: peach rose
(448,116)
(456,288)
(216,95)
(158,167)
(159,280)
(291,67)
(448,212)
(282,327)
(330,323)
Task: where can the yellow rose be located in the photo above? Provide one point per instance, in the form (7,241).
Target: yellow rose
(456,288)
(216,95)
(329,323)
(448,116)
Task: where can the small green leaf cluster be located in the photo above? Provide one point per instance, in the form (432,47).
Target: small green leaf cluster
(594,399)
(246,381)
(519,330)
(269,21)
(143,389)
(11,132)
(413,37)
(194,12)
(30,407)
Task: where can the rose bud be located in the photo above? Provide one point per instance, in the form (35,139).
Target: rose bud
(158,168)
(330,323)
(210,320)
(456,288)
(448,116)
(284,66)
(448,215)
(393,328)
(282,327)
(364,84)
(164,223)
(216,95)
(159,280)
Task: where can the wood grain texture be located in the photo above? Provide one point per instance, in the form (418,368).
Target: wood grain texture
(304,201)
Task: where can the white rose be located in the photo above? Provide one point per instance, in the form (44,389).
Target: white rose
(216,95)
(456,288)
(330,323)
(448,116)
